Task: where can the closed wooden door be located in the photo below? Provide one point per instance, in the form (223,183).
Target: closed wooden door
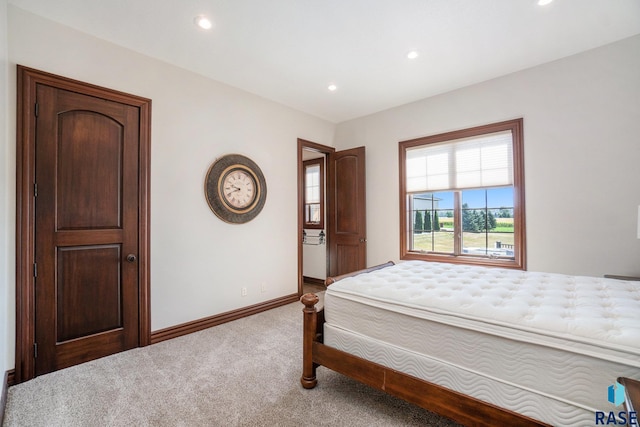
(347,211)
(86,228)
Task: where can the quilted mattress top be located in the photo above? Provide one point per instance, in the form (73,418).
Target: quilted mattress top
(590,314)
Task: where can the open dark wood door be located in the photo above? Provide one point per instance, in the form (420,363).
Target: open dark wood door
(85,150)
(346,211)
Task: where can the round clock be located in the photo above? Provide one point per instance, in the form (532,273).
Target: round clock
(235,188)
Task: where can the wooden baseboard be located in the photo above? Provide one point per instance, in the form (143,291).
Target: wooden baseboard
(312,281)
(207,322)
(7,380)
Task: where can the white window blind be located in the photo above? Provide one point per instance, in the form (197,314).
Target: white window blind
(475,162)
(313,184)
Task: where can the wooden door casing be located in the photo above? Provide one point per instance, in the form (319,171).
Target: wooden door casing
(84,213)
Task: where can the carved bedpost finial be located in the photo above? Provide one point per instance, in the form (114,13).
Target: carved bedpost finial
(309,300)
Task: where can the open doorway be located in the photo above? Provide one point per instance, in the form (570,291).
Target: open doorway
(312,222)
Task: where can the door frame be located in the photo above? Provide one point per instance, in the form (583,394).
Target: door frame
(327,151)
(27,80)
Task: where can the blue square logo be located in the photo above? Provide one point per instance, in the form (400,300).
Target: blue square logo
(616,394)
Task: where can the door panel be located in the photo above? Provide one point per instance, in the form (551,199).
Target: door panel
(348,257)
(346,192)
(79,268)
(89,171)
(86,298)
(347,211)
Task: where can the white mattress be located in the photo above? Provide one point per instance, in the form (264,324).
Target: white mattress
(544,345)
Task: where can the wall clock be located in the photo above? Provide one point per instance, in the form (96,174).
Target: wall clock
(235,189)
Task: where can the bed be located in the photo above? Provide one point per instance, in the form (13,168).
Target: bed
(482,346)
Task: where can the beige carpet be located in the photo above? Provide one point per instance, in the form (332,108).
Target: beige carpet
(243,373)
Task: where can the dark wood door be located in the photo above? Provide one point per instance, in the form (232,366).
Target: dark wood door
(86,222)
(347,211)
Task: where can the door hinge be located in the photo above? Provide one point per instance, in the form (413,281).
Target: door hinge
(35,350)
(36,109)
(35,190)
(35,269)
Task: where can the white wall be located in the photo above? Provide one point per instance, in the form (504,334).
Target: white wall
(7,298)
(582,157)
(198,262)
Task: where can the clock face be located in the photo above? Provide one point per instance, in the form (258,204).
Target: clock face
(238,188)
(235,188)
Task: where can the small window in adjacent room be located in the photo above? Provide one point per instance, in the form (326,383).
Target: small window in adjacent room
(314,194)
(462,196)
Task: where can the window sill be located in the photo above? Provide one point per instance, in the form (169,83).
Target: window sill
(313,226)
(461,259)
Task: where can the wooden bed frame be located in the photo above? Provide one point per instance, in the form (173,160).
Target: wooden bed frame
(448,403)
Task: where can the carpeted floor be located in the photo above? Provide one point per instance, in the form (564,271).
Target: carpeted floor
(242,373)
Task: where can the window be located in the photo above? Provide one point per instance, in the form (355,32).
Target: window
(314,194)
(462,196)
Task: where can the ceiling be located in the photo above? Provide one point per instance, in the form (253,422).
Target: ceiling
(289,51)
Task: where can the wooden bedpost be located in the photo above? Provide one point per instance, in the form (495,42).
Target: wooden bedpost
(308,379)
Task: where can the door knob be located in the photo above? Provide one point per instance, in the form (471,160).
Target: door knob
(363,240)
(131,258)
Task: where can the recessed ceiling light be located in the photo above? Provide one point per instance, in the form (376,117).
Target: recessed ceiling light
(203,22)
(332,87)
(544,2)
(413,54)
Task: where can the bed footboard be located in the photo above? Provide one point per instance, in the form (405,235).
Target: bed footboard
(313,325)
(334,279)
